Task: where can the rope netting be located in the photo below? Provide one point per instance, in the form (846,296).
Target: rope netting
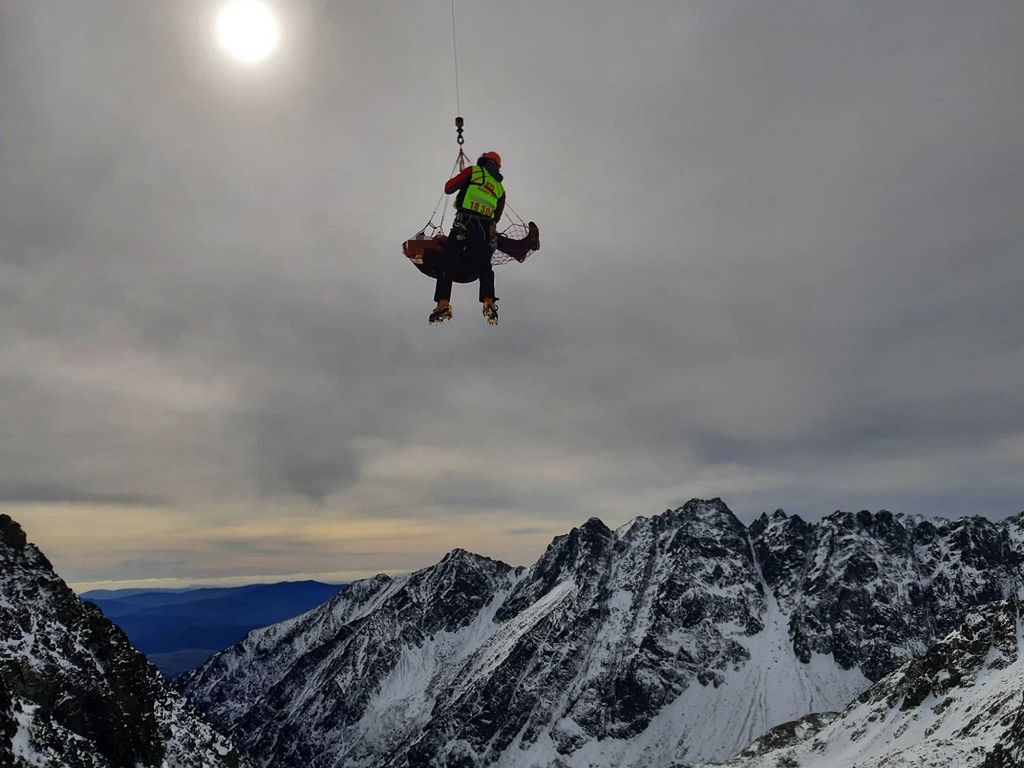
(500,257)
(514,239)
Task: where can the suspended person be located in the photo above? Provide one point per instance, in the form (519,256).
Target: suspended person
(479,204)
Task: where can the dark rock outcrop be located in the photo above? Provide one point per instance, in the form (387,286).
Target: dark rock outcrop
(73,692)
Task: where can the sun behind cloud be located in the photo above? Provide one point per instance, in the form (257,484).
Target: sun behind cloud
(247,30)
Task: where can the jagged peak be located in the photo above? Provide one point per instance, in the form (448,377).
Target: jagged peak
(910,519)
(574,556)
(368,584)
(457,564)
(694,509)
(777,517)
(460,556)
(572,550)
(710,512)
(704,508)
(698,507)
(848,514)
(974,520)
(11,534)
(16,548)
(457,554)
(596,525)
(778,522)
(629,525)
(591,530)
(866,519)
(1017,518)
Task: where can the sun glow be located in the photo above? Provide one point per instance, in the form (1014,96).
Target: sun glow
(247,30)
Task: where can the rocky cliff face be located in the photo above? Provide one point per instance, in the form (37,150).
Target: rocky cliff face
(675,639)
(72,690)
(876,589)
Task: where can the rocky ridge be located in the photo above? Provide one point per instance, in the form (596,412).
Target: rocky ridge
(675,639)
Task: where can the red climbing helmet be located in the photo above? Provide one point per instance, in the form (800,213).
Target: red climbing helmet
(493,156)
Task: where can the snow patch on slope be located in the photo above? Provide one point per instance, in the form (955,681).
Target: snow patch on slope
(773,687)
(956,727)
(506,635)
(405,698)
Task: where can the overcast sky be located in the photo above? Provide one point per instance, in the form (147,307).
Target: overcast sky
(782,263)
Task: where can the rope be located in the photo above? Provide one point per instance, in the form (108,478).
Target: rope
(455,51)
(444,197)
(441,204)
(512,210)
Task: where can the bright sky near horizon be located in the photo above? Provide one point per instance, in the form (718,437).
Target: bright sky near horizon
(782,261)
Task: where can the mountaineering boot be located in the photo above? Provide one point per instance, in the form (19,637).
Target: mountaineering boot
(440,313)
(490,311)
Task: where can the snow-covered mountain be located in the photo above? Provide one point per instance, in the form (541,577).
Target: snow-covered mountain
(675,639)
(73,692)
(961,704)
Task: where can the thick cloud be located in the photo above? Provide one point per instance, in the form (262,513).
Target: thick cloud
(782,263)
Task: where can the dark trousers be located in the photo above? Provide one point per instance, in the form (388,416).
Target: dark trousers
(470,240)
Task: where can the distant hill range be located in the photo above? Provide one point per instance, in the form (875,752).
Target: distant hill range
(180,629)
